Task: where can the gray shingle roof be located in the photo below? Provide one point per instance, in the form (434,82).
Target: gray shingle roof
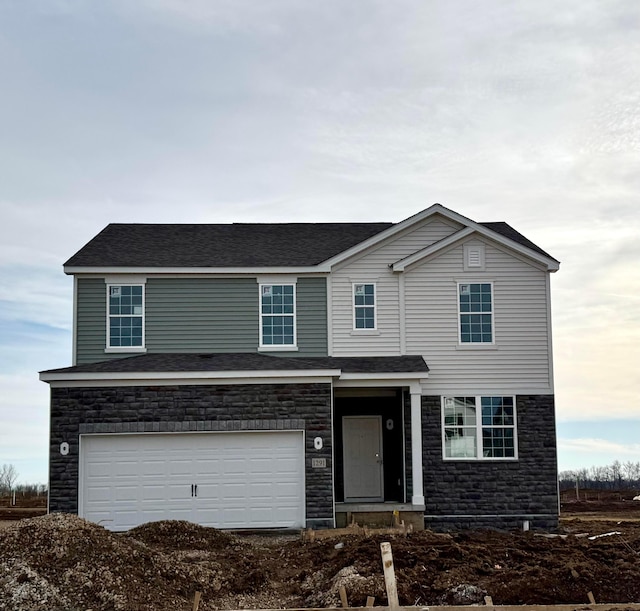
(509,232)
(183,362)
(235,245)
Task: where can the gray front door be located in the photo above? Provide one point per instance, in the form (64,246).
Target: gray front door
(362,452)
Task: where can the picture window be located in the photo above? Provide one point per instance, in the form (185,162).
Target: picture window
(479,427)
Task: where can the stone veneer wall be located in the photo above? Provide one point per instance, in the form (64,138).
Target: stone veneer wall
(503,494)
(192,408)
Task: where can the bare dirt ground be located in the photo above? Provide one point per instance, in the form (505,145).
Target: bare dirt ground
(60,562)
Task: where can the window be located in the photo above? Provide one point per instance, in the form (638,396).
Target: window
(476,313)
(277,315)
(126,316)
(364,306)
(479,427)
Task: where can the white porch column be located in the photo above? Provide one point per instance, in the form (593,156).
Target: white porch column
(416,445)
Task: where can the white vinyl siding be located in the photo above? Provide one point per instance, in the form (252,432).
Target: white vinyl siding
(373,267)
(518,361)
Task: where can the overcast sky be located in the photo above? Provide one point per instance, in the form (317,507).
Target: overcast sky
(340,110)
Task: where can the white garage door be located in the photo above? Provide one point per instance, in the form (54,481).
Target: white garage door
(226,480)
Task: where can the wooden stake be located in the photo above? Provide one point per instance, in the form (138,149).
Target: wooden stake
(370,601)
(196,601)
(389,575)
(343,597)
(591,598)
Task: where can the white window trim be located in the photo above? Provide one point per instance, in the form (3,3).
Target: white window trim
(369,331)
(116,349)
(479,427)
(278,347)
(462,344)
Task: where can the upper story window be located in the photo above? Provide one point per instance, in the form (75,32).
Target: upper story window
(364,306)
(125,305)
(479,427)
(475,305)
(277,315)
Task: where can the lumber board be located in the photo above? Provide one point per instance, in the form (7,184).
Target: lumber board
(355,529)
(563,607)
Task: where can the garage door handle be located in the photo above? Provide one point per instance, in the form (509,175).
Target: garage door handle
(196,489)
(191,489)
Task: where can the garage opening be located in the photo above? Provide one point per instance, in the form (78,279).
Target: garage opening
(230,480)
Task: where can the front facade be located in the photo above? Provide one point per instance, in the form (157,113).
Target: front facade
(303,375)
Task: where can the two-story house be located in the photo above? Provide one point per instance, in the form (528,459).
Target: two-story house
(299,375)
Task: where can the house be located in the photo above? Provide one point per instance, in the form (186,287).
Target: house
(303,375)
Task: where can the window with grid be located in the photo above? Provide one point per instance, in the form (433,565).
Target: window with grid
(475,301)
(126,316)
(479,427)
(364,306)
(277,315)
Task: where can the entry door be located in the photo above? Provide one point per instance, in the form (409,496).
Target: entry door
(362,452)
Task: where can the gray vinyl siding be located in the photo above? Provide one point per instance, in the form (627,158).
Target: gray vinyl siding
(91,320)
(312,316)
(200,315)
(520,360)
(373,266)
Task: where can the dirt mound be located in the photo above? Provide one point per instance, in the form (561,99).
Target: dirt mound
(514,568)
(61,562)
(181,535)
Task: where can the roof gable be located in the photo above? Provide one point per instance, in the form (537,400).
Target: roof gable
(499,232)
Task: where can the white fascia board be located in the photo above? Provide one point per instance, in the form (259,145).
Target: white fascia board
(385,376)
(191,382)
(177,376)
(220,271)
(399,266)
(414,386)
(551,264)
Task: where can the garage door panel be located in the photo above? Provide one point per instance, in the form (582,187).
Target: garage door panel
(124,468)
(245,480)
(100,494)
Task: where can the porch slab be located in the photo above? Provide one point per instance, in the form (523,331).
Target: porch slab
(379,515)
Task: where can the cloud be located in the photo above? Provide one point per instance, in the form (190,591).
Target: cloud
(601,446)
(234,110)
(25,425)
(582,453)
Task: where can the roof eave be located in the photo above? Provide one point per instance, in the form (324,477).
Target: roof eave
(312,269)
(100,376)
